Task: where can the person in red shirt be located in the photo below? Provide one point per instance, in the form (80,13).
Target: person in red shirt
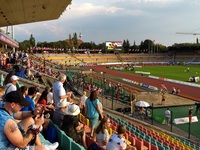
(43,100)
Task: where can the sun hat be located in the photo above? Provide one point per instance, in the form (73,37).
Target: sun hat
(14,77)
(73,110)
(17,97)
(63,103)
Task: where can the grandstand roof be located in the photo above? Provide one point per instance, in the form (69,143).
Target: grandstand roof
(14,12)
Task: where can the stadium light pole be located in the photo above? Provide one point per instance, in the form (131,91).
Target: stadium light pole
(152,114)
(102,86)
(91,76)
(171,120)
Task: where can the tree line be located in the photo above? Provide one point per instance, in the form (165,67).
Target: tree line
(74,43)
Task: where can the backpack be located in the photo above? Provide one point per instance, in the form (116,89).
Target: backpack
(94,146)
(51,134)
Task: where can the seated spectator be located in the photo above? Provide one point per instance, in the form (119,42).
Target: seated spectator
(178,91)
(116,141)
(50,97)
(72,126)
(48,108)
(12,86)
(37,95)
(29,97)
(43,100)
(8,77)
(18,135)
(101,135)
(17,67)
(24,90)
(70,98)
(28,74)
(82,102)
(60,113)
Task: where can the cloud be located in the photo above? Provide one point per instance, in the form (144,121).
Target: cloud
(103,20)
(87,10)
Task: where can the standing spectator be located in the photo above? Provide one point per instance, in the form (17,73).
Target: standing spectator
(163,98)
(93,110)
(167,116)
(173,90)
(59,91)
(60,113)
(12,86)
(82,102)
(116,141)
(188,69)
(109,85)
(101,135)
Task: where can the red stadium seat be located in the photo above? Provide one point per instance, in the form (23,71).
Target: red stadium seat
(131,139)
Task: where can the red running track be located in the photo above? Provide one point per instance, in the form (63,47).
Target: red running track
(186,91)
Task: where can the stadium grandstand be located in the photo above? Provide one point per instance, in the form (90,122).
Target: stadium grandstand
(84,73)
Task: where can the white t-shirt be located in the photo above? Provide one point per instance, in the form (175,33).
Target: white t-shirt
(10,87)
(82,100)
(167,113)
(58,90)
(50,98)
(101,138)
(116,142)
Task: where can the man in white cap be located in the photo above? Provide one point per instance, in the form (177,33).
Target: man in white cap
(12,86)
(59,114)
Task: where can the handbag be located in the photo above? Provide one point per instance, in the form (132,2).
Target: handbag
(97,111)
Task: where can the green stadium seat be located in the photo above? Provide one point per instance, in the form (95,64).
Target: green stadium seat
(76,146)
(66,143)
(43,140)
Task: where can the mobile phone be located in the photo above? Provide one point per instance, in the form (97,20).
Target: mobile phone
(42,113)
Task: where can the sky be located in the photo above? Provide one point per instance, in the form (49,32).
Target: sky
(117,20)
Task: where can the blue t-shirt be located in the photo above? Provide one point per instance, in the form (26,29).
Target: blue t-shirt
(3,138)
(31,106)
(92,108)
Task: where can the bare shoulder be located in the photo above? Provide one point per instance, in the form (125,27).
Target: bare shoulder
(12,131)
(10,126)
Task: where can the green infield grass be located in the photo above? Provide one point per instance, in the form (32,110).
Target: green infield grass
(181,112)
(171,72)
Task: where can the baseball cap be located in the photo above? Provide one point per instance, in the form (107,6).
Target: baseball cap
(17,97)
(14,77)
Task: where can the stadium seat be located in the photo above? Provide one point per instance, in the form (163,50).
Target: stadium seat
(131,139)
(76,146)
(147,144)
(139,144)
(110,131)
(153,147)
(66,143)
